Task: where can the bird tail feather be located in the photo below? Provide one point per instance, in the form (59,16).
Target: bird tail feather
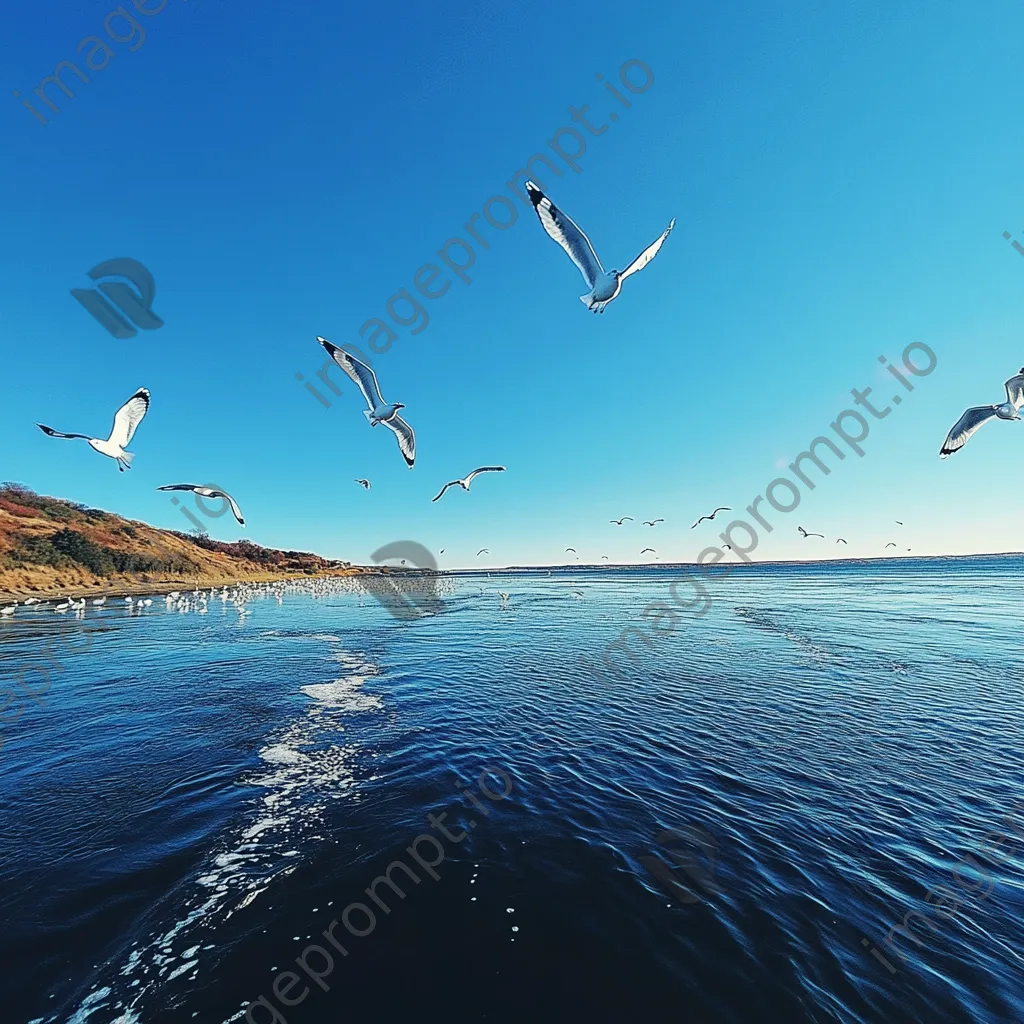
(585,299)
(368,414)
(127,457)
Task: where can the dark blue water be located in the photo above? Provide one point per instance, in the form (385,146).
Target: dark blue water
(713,833)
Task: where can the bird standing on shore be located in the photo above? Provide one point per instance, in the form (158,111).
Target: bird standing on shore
(604,285)
(126,422)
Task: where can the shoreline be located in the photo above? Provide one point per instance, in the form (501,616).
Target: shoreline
(136,588)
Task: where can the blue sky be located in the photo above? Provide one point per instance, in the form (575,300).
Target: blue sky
(841,176)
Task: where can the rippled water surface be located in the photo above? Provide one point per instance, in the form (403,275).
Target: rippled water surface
(722,829)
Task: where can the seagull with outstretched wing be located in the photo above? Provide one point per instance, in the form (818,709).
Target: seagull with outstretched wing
(379,411)
(619,522)
(126,422)
(975,418)
(645,550)
(207,492)
(723,508)
(365,484)
(653,522)
(466,481)
(483,551)
(805,534)
(604,285)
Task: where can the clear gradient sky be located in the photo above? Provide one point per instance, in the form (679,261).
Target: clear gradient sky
(841,175)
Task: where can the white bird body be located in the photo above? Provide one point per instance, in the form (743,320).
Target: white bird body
(466,481)
(377,410)
(977,416)
(604,285)
(126,422)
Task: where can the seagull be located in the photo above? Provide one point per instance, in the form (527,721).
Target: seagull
(805,534)
(483,551)
(841,541)
(653,522)
(31,600)
(9,610)
(441,552)
(573,550)
(897,522)
(604,285)
(365,484)
(464,484)
(981,414)
(891,544)
(604,556)
(126,422)
(645,550)
(619,522)
(99,601)
(378,411)
(208,492)
(723,508)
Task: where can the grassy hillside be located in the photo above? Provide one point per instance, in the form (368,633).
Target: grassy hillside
(53,546)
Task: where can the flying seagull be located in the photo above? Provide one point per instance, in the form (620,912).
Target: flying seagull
(604,285)
(464,484)
(573,550)
(208,492)
(805,534)
(981,414)
(724,508)
(604,556)
(653,522)
(645,550)
(483,551)
(379,411)
(891,544)
(897,522)
(841,541)
(619,522)
(126,422)
(365,484)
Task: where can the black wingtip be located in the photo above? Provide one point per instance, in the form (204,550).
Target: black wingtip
(534,193)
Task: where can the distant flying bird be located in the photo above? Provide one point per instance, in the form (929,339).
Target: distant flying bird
(841,541)
(379,411)
(723,508)
(573,550)
(483,551)
(365,484)
(126,422)
(208,492)
(806,534)
(645,550)
(979,415)
(441,552)
(604,285)
(653,522)
(604,556)
(897,522)
(619,522)
(890,545)
(464,484)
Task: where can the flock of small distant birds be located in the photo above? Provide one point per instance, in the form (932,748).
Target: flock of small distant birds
(604,286)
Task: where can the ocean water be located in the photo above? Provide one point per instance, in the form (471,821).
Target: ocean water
(723,830)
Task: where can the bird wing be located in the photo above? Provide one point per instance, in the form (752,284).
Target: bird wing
(1015,391)
(965,427)
(483,469)
(451,483)
(724,508)
(645,550)
(573,550)
(483,550)
(57,433)
(128,418)
(359,373)
(235,510)
(406,437)
(178,487)
(564,230)
(648,254)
